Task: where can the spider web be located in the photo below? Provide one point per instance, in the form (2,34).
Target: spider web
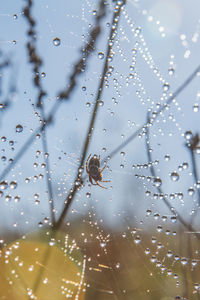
(139,238)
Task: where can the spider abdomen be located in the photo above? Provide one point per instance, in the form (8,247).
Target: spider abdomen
(94,172)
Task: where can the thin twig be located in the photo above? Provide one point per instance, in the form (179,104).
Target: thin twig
(36,61)
(193,145)
(78,180)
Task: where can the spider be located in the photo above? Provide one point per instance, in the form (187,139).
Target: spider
(94,171)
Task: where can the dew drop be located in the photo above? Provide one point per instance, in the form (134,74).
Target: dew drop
(56,41)
(117,265)
(52,242)
(3,185)
(19,128)
(184,261)
(17,199)
(194,262)
(101,102)
(148,212)
(13,185)
(174,176)
(157,182)
(171,71)
(88,195)
(100,55)
(147,251)
(196,107)
(191,191)
(173,219)
(166,87)
(167,157)
(188,135)
(43,74)
(3,139)
(137,239)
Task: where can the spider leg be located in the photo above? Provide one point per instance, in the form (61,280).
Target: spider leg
(102,169)
(86,164)
(100,185)
(105,180)
(90,179)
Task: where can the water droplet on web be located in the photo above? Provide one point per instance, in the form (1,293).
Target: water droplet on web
(15,16)
(191,191)
(167,157)
(84,88)
(185,165)
(173,219)
(137,239)
(17,199)
(19,128)
(117,265)
(174,176)
(13,185)
(3,185)
(197,286)
(52,242)
(137,30)
(159,228)
(147,251)
(94,12)
(40,224)
(101,102)
(3,139)
(188,135)
(56,41)
(196,107)
(166,87)
(198,184)
(88,195)
(157,182)
(8,198)
(103,245)
(184,261)
(100,55)
(171,71)
(148,212)
(88,104)
(43,74)
(153,259)
(194,262)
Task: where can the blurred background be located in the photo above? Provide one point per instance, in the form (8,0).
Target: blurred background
(139,237)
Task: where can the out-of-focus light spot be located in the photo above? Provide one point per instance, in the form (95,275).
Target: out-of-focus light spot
(150,18)
(187,53)
(182,37)
(161,29)
(195,37)
(164,18)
